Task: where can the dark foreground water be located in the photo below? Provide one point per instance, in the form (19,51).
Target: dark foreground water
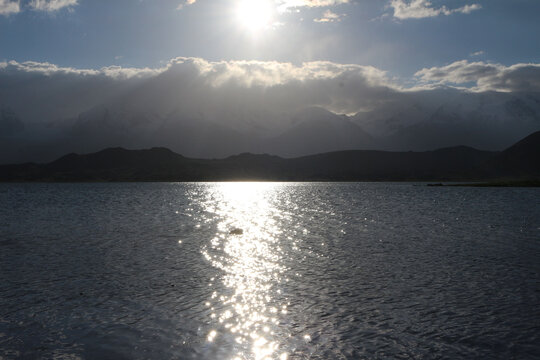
(317,271)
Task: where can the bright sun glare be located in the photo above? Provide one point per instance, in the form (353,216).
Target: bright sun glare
(254,15)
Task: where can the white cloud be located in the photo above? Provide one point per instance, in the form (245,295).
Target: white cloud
(50,70)
(418,9)
(329,16)
(486,76)
(246,73)
(194,83)
(180,104)
(185,3)
(198,84)
(346,88)
(118,106)
(8,7)
(273,74)
(51,5)
(286,5)
(477,53)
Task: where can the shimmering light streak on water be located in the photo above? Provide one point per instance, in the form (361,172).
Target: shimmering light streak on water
(247,251)
(281,271)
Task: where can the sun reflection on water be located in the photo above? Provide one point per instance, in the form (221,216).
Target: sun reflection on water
(247,252)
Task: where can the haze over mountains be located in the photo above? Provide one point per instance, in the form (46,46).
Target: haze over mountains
(214,110)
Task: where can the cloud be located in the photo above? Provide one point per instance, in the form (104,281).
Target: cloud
(195,85)
(87,110)
(486,76)
(57,93)
(342,88)
(51,5)
(477,53)
(8,7)
(329,16)
(185,3)
(418,9)
(51,70)
(204,108)
(192,86)
(286,5)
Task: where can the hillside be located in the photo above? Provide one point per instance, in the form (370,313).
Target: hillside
(461,163)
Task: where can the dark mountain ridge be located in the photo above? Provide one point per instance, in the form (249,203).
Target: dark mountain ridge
(461,163)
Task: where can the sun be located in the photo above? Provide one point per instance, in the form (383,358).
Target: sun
(255,15)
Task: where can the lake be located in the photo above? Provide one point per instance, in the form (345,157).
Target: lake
(268,271)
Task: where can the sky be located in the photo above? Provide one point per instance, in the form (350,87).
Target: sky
(80,71)
(397,36)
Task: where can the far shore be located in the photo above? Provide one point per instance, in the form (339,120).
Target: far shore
(502,183)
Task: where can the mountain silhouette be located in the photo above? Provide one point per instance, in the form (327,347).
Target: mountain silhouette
(461,163)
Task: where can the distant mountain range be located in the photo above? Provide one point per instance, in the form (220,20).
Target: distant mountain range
(417,121)
(520,161)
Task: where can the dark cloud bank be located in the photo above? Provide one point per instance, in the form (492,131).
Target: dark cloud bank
(203,109)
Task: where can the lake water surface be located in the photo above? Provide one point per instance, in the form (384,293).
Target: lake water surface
(268,271)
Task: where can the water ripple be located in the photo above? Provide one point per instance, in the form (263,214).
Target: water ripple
(256,271)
